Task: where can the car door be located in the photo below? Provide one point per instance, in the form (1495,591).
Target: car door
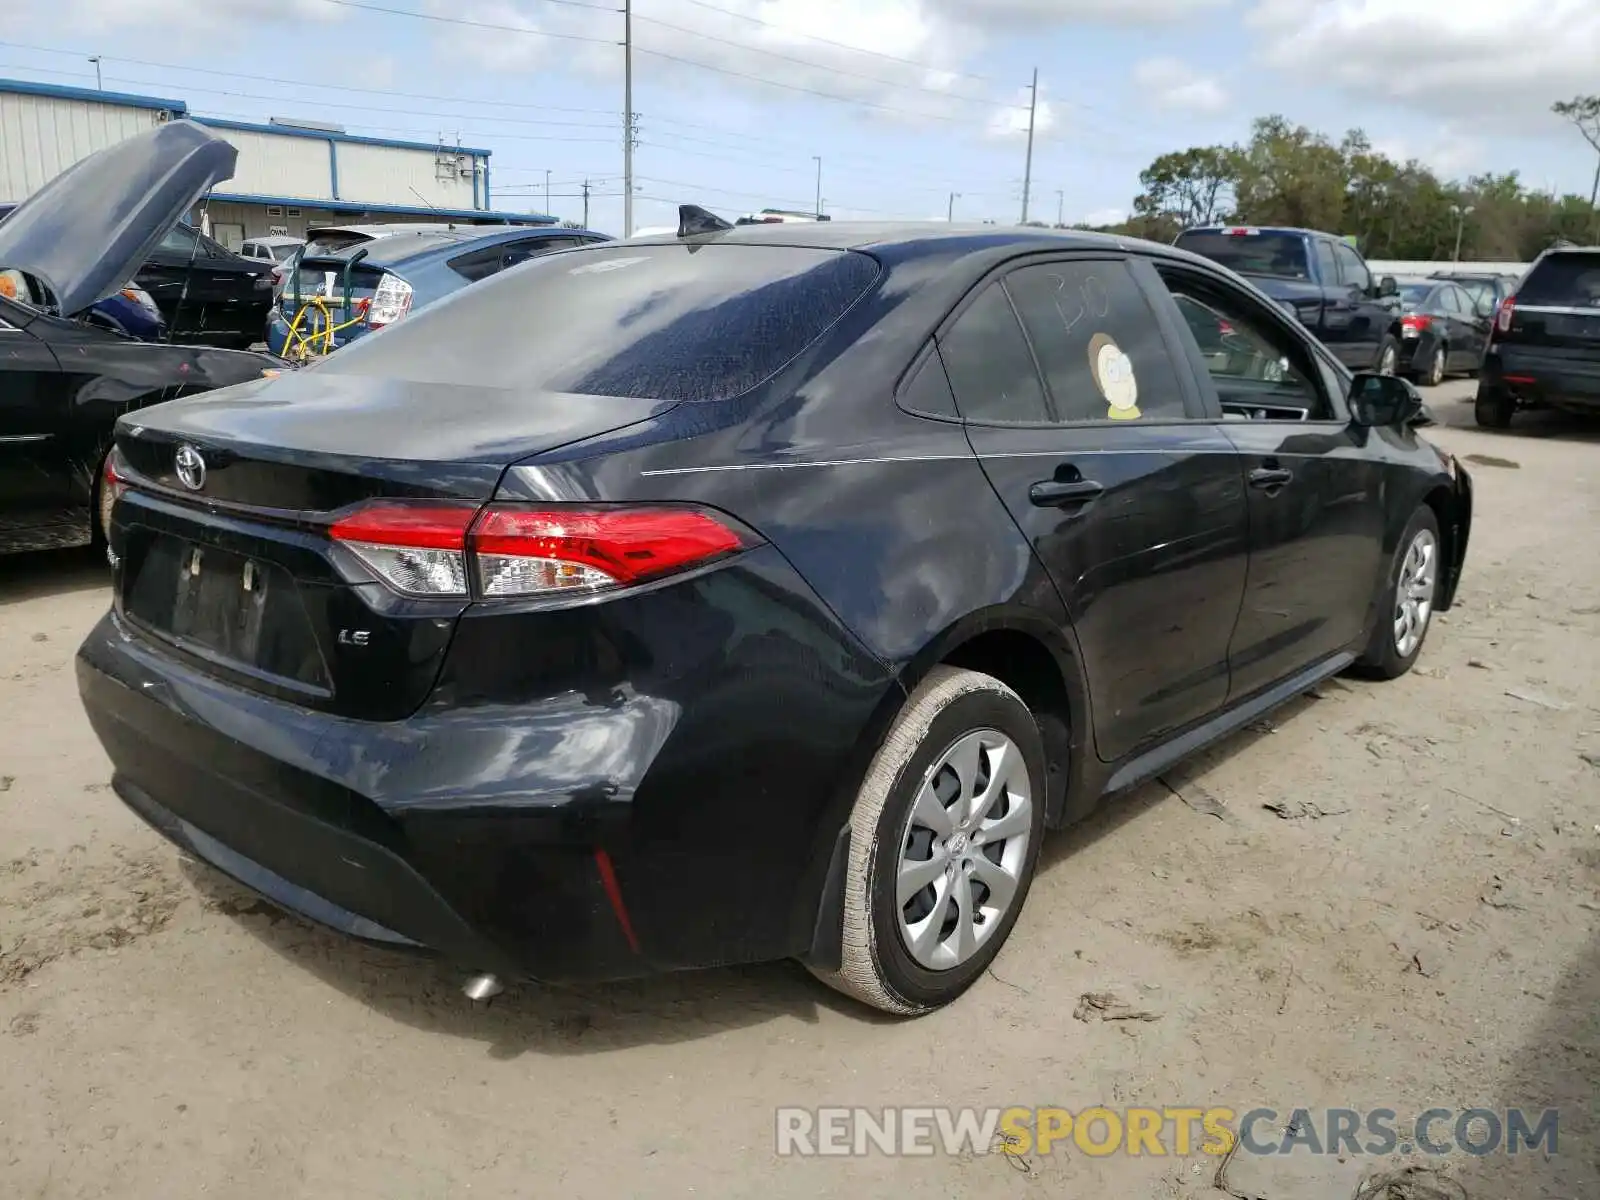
(33,461)
(1134,503)
(1315,498)
(1338,328)
(1369,316)
(1469,329)
(215,290)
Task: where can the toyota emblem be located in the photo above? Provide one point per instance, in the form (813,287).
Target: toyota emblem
(191,468)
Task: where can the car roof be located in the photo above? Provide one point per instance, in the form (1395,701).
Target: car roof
(885,238)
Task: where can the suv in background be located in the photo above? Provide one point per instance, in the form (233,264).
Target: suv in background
(1544,345)
(1481,285)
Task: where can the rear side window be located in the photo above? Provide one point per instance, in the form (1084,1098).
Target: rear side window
(1097,342)
(1563,280)
(1352,268)
(667,322)
(990,367)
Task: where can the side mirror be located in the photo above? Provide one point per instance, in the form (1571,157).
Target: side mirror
(1383,401)
(1388,286)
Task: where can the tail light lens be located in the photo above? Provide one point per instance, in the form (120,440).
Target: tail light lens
(1415,323)
(1502,319)
(509,551)
(111,489)
(390,302)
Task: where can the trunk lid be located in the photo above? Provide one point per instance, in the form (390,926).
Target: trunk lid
(222,532)
(1558,305)
(88,231)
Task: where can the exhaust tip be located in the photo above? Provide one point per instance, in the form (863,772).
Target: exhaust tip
(482,987)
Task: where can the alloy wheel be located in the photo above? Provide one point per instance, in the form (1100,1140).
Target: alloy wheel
(1413,599)
(964,849)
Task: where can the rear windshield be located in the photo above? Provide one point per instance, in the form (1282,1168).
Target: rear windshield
(327,278)
(1571,280)
(332,240)
(1280,254)
(1413,294)
(675,322)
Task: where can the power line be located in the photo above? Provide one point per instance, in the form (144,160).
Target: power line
(422,16)
(804,62)
(909,62)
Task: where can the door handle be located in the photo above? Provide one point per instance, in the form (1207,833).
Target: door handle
(1061,493)
(1270,477)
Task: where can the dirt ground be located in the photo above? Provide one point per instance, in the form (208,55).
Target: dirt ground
(1417,928)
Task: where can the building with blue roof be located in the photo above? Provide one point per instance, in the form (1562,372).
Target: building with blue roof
(292,175)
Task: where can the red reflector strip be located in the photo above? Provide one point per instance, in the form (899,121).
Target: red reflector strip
(626,544)
(421,526)
(608,880)
(1519,378)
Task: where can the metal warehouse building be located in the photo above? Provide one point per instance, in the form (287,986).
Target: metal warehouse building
(290,175)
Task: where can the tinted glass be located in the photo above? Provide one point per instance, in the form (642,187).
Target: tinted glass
(990,368)
(180,239)
(1097,342)
(1250,358)
(1257,253)
(1327,264)
(1415,295)
(1564,280)
(667,322)
(1351,268)
(1450,300)
(929,390)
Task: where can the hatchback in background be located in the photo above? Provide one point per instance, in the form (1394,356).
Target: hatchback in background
(754,593)
(1544,344)
(1443,330)
(334,296)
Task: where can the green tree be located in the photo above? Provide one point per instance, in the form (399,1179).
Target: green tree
(1188,187)
(1289,175)
(1584,113)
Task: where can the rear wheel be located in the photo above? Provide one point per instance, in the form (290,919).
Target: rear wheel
(1493,407)
(1389,355)
(1410,592)
(1434,375)
(944,837)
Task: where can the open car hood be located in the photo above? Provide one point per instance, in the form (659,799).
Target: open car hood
(89,230)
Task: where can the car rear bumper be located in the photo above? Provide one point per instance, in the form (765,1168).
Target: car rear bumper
(571,837)
(1561,381)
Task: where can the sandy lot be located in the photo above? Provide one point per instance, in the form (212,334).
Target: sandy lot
(1419,930)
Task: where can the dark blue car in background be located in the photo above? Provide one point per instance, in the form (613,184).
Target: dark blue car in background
(336,296)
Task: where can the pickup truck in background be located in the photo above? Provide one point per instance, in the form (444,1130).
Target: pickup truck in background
(1318,277)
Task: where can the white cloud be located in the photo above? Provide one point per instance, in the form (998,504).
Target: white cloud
(177,17)
(1103,216)
(1503,60)
(1446,151)
(1069,12)
(1171,84)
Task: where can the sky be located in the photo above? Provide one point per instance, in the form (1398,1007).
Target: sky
(917,109)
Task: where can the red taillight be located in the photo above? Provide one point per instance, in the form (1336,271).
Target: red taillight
(417,549)
(111,489)
(1415,322)
(514,550)
(1502,319)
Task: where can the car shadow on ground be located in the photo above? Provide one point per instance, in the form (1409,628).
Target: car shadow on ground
(425,993)
(51,573)
(1557,1068)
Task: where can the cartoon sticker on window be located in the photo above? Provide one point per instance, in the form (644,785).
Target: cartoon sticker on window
(1113,375)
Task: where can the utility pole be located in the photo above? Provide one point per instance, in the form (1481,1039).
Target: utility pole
(547,192)
(950,209)
(1461,225)
(818,160)
(627,118)
(1027,173)
(586,204)
(1061,208)
(98,83)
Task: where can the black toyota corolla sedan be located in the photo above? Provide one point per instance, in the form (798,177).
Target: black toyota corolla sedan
(747,594)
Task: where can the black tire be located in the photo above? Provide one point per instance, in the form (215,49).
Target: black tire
(1493,407)
(1388,352)
(1434,375)
(876,966)
(1383,659)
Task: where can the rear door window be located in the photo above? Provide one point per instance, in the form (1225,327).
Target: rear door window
(1352,269)
(991,369)
(1569,280)
(1097,342)
(668,322)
